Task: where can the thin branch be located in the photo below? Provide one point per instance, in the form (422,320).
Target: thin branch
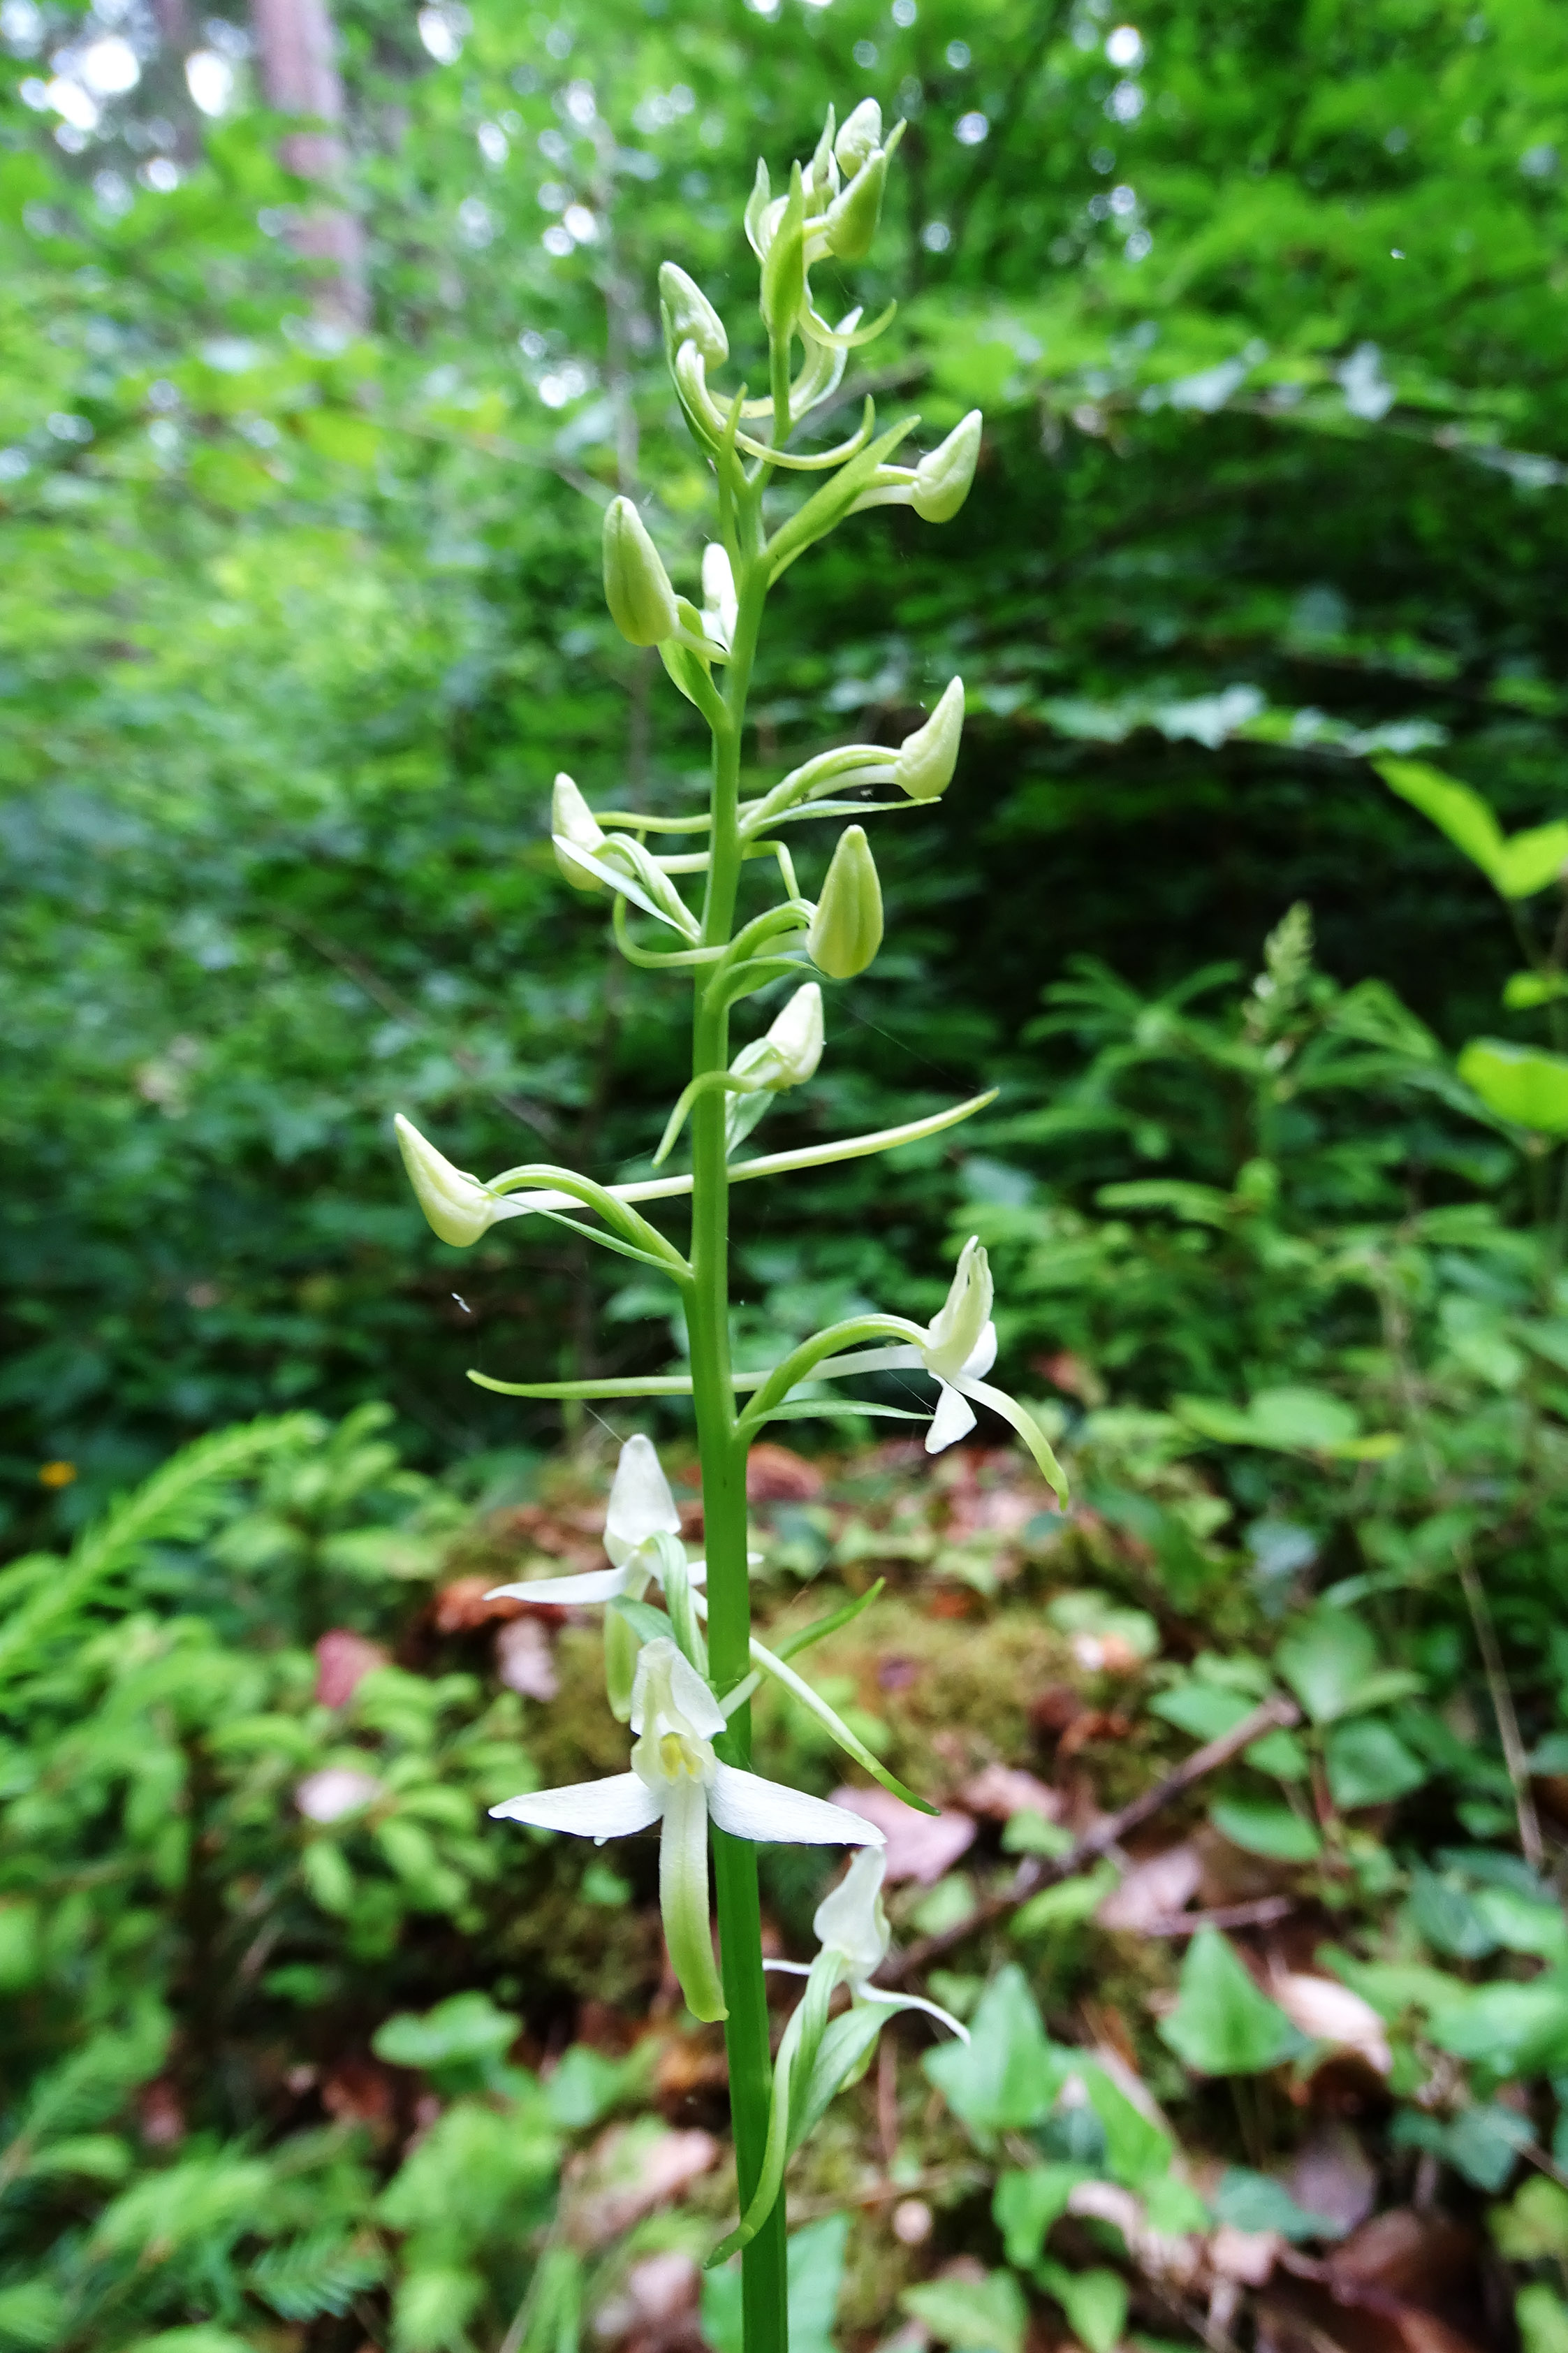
(1049,1871)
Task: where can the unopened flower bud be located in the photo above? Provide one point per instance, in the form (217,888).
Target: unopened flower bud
(942,478)
(797,1035)
(574,826)
(689,316)
(784,267)
(859,137)
(926,759)
(788,1054)
(851,220)
(846,929)
(457,1207)
(720,609)
(636,586)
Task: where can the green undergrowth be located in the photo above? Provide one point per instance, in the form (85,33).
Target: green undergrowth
(301,2051)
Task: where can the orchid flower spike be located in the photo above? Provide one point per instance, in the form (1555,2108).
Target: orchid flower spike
(677,1781)
(641,1521)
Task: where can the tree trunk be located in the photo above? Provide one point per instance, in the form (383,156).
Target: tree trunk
(295,49)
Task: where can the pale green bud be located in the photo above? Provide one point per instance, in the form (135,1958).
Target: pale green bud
(926,759)
(457,1207)
(784,266)
(846,929)
(790,1051)
(942,479)
(851,220)
(689,316)
(860,137)
(636,586)
(719,607)
(574,826)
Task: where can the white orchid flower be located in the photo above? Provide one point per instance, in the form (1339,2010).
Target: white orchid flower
(677,1781)
(961,1348)
(957,1348)
(641,1508)
(852,1929)
(817,2057)
(642,1537)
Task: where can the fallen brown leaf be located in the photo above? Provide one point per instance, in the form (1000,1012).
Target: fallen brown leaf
(920,1846)
(776,1474)
(1153,1890)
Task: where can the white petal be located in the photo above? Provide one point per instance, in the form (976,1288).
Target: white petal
(951,1420)
(595,1810)
(749,1807)
(979,1364)
(683,1899)
(594,1585)
(641,1504)
(956,1327)
(668,1685)
(850,1918)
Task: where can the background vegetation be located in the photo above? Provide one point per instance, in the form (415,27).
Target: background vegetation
(297,620)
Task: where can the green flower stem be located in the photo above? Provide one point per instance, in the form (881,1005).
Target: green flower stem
(723,1457)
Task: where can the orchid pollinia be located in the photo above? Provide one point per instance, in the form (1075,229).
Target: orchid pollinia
(682,1676)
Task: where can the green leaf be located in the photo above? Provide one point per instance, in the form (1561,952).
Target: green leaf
(1286,1420)
(1137,2153)
(649,1624)
(1329,1660)
(1533,2226)
(1482,2142)
(1066,1904)
(1455,808)
(1222,2024)
(986,2315)
(816,2273)
(1533,859)
(1025,2203)
(32,2317)
(1262,1826)
(1008,2074)
(1524,1924)
(465,2037)
(1095,2303)
(1522,1084)
(815,2257)
(1542,2319)
(1369,1765)
(1202,1710)
(1510,2030)
(1256,2202)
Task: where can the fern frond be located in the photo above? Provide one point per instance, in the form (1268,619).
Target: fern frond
(178,1502)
